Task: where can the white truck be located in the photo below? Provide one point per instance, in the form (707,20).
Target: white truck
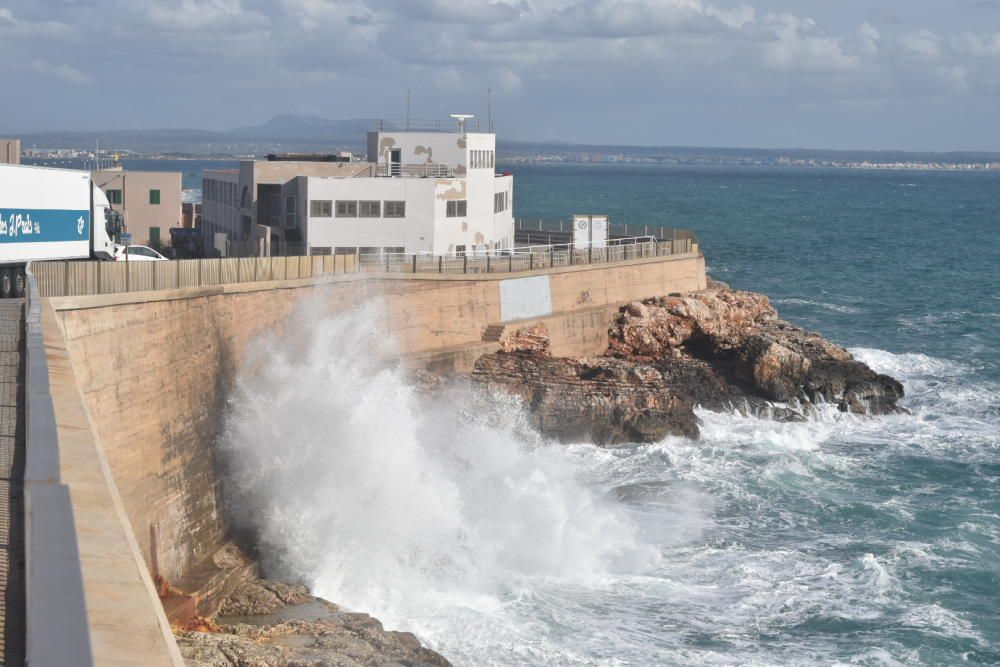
(51,214)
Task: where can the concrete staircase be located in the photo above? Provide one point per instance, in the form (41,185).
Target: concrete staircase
(493,333)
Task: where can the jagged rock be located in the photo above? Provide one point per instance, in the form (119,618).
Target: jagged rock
(532,340)
(344,639)
(603,400)
(653,328)
(262,596)
(721,349)
(336,637)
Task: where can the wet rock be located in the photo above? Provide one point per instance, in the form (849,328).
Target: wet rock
(262,596)
(344,639)
(291,628)
(603,400)
(721,349)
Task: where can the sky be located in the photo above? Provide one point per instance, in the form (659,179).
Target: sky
(842,74)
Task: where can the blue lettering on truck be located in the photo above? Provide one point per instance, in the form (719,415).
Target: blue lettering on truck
(40,225)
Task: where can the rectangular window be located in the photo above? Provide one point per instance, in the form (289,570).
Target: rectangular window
(460,250)
(154,237)
(456,208)
(115,196)
(154,196)
(321,208)
(289,211)
(395,209)
(347,208)
(369,209)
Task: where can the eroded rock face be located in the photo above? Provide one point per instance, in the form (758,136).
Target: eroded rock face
(326,635)
(606,401)
(722,349)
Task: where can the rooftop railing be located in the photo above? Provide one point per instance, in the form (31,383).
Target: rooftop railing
(419,125)
(431,170)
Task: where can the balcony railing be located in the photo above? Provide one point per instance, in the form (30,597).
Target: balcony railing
(431,170)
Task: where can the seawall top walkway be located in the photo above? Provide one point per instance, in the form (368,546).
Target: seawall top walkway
(75,278)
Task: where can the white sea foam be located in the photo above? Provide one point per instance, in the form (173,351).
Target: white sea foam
(413,512)
(835,307)
(452,520)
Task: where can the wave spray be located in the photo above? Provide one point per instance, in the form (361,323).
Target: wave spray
(428,513)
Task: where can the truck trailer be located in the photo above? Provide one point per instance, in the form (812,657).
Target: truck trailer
(49,214)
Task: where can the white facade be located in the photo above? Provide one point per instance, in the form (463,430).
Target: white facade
(418,192)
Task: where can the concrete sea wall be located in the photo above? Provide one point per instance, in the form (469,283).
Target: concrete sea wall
(144,377)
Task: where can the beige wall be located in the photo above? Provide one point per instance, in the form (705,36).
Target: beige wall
(154,368)
(140,214)
(10,151)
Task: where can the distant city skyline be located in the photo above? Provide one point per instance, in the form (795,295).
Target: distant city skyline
(916,75)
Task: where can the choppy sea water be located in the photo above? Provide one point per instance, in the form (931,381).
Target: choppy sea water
(843,540)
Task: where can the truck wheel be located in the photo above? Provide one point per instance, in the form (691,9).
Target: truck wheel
(6,284)
(20,284)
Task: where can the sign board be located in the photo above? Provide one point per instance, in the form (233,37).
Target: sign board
(599,231)
(581,231)
(590,230)
(126,238)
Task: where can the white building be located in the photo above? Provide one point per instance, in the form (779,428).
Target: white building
(418,192)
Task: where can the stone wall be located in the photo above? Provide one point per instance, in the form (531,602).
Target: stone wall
(154,368)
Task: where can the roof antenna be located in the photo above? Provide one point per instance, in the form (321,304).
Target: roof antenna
(489,108)
(461,118)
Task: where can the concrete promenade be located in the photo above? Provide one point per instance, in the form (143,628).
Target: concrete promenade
(11,482)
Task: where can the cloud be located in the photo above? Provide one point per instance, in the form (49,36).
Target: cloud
(62,72)
(238,61)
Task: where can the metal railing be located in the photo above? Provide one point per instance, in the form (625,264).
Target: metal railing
(75,278)
(422,125)
(529,258)
(432,170)
(615,230)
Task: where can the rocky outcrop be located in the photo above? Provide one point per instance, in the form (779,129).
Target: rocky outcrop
(721,349)
(283,626)
(602,400)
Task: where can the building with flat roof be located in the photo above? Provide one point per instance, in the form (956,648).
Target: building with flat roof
(418,191)
(149,200)
(10,151)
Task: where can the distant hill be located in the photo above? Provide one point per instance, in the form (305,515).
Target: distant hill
(307,128)
(305,133)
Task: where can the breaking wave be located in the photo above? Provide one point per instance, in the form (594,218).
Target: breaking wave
(761,543)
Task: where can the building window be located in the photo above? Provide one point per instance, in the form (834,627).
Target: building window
(369,209)
(321,208)
(154,196)
(347,209)
(460,250)
(456,208)
(154,237)
(115,196)
(395,209)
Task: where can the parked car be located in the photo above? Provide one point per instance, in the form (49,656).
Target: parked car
(137,253)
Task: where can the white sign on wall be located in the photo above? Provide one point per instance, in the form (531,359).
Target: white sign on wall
(581,230)
(522,298)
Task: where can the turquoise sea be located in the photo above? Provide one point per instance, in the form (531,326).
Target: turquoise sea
(843,540)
